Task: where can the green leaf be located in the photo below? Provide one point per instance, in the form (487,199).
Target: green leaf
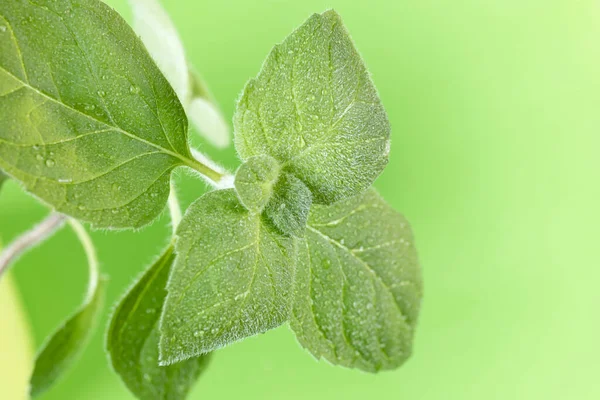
(254,181)
(314,108)
(133,335)
(3,178)
(232,278)
(289,205)
(64,347)
(89,123)
(358,285)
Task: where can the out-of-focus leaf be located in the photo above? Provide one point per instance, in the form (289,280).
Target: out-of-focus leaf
(133,335)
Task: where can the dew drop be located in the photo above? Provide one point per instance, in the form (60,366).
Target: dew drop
(101,93)
(50,163)
(2,28)
(39,157)
(134,89)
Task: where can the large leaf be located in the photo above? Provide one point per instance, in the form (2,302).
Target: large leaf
(232,278)
(64,347)
(314,108)
(358,288)
(89,123)
(132,340)
(159,35)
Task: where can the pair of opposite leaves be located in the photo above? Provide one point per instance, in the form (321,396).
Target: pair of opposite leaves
(85,113)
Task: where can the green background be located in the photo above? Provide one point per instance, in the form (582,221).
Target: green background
(495,112)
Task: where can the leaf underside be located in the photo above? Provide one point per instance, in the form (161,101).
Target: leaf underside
(314,108)
(89,123)
(133,336)
(358,285)
(232,278)
(65,346)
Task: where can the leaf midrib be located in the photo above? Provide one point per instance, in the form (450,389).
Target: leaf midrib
(367,266)
(185,160)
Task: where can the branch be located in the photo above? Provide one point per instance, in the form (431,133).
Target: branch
(30,239)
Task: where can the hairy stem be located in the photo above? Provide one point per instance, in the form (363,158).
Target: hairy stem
(225,178)
(90,252)
(206,170)
(30,239)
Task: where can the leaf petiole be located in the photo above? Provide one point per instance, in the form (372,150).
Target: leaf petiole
(211,173)
(92,257)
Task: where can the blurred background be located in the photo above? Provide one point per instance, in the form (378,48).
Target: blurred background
(495,160)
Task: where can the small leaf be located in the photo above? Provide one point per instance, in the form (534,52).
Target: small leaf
(314,108)
(132,340)
(358,285)
(289,206)
(254,181)
(232,278)
(158,33)
(65,346)
(89,123)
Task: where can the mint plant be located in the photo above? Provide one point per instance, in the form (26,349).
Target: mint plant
(94,122)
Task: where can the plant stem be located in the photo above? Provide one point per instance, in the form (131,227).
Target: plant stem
(90,252)
(225,178)
(174,208)
(205,170)
(30,239)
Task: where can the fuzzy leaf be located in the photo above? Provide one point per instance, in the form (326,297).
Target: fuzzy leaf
(132,340)
(232,278)
(314,108)
(64,347)
(254,181)
(84,109)
(289,206)
(358,285)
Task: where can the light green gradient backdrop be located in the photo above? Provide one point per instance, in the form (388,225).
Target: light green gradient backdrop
(495,112)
